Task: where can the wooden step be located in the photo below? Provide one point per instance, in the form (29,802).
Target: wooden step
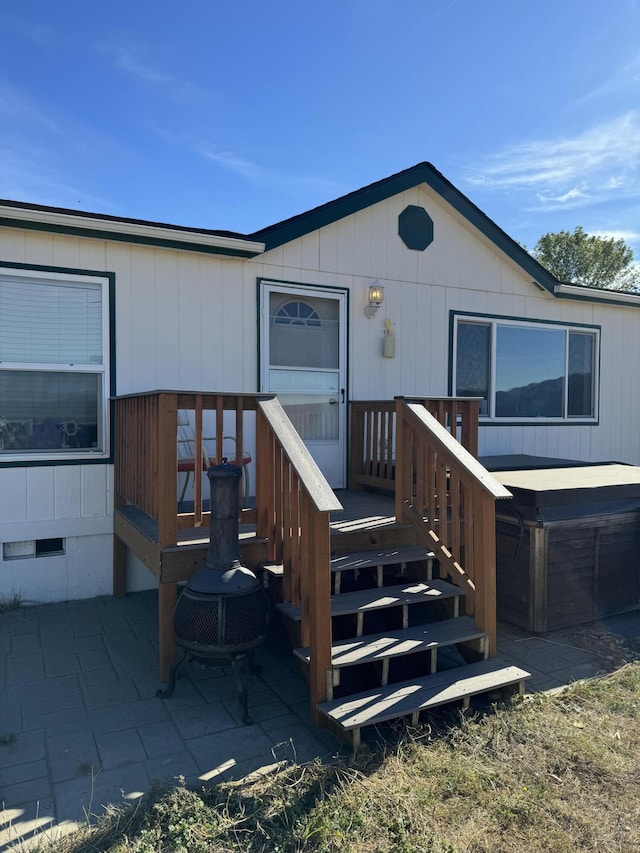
(412,697)
(359,539)
(377,559)
(373,648)
(381,557)
(367,600)
(373,559)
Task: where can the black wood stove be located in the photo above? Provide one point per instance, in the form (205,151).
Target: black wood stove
(222,614)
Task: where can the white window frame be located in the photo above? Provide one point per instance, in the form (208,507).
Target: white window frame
(103,451)
(493,323)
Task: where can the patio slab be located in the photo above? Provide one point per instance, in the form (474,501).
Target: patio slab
(81,725)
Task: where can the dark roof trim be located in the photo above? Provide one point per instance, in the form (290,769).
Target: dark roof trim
(423,173)
(608,296)
(107,217)
(122,229)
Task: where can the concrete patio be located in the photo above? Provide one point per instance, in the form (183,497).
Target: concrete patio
(81,725)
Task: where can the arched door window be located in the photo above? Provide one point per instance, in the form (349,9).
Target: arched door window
(297,313)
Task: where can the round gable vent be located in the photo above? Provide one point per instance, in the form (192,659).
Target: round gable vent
(415,228)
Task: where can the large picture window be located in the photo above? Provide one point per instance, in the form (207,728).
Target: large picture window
(54,365)
(524,370)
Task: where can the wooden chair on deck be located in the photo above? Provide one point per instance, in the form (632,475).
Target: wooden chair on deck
(187,452)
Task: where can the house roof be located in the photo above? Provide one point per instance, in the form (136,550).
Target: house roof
(422,173)
(426,173)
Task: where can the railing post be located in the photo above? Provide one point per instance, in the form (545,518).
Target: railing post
(484,559)
(469,432)
(291,584)
(400,466)
(167,473)
(167,491)
(356,447)
(318,577)
(265,470)
(198,456)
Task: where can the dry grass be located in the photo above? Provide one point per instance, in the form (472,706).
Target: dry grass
(554,774)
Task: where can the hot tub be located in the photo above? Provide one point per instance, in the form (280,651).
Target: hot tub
(568,544)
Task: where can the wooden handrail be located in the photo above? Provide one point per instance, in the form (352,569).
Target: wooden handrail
(293,505)
(372,453)
(312,480)
(449,498)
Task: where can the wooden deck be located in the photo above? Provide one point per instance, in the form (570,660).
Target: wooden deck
(178,562)
(362,511)
(422,451)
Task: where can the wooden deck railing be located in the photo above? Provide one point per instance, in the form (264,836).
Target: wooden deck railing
(293,502)
(146,451)
(449,498)
(372,452)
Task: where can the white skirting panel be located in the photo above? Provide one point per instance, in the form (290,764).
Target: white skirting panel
(83,571)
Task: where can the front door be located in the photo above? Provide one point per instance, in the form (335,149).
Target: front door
(303,362)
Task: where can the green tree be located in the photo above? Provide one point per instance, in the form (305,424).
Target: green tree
(582,258)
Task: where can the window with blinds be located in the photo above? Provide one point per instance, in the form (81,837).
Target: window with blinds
(53,365)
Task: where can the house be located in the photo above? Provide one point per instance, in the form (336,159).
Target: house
(92,306)
(403,287)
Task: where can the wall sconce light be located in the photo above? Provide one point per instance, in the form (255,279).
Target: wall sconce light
(376,298)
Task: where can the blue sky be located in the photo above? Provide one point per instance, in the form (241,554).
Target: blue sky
(235,115)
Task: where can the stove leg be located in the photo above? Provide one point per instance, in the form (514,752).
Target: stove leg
(241,684)
(162,694)
(254,668)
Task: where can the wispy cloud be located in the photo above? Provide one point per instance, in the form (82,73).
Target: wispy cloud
(232,162)
(600,163)
(263,175)
(572,195)
(127,60)
(622,80)
(132,60)
(627,236)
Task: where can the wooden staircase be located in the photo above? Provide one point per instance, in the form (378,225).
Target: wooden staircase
(401,644)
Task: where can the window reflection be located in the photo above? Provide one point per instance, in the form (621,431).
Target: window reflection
(536,371)
(473,362)
(529,372)
(581,370)
(47,410)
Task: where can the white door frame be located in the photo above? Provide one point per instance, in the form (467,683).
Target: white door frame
(331,455)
